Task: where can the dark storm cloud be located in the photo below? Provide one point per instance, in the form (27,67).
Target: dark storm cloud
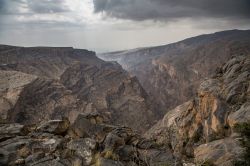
(47,6)
(3,5)
(32,6)
(35,13)
(173,9)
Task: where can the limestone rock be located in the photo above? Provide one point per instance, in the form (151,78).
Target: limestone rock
(107,162)
(43,83)
(220,152)
(55,126)
(83,148)
(12,84)
(240,116)
(88,141)
(156,157)
(221,102)
(172,73)
(10,130)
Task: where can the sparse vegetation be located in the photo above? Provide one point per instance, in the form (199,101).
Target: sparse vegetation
(204,163)
(244,130)
(109,154)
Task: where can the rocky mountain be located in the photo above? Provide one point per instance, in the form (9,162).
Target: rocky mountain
(43,83)
(65,106)
(211,129)
(214,126)
(172,73)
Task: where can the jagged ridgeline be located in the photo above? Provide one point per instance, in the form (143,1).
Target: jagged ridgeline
(211,129)
(42,83)
(172,73)
(65,106)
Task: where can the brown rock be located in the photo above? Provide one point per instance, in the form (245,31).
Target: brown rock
(220,152)
(83,148)
(55,126)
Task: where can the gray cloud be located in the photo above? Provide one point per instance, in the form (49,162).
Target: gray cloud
(56,23)
(47,6)
(2,5)
(18,13)
(173,9)
(32,6)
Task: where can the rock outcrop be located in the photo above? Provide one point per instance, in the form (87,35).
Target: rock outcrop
(203,128)
(171,74)
(65,106)
(11,85)
(57,142)
(43,83)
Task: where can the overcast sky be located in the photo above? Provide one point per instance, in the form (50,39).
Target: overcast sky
(109,25)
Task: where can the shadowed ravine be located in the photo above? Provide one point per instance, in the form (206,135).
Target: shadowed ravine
(187,103)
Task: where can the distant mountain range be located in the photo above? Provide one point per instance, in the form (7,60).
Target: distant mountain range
(186,103)
(172,73)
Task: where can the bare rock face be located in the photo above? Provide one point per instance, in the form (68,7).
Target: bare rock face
(220,152)
(43,83)
(111,91)
(63,106)
(46,145)
(41,100)
(11,85)
(171,74)
(48,62)
(55,126)
(203,128)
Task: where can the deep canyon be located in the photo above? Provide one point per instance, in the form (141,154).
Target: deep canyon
(186,103)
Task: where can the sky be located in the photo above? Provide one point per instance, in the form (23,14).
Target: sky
(110,25)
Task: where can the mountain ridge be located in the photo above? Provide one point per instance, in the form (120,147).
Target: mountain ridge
(52,95)
(171,73)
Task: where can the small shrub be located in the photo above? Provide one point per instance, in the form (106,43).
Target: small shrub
(109,154)
(204,163)
(244,130)
(207,163)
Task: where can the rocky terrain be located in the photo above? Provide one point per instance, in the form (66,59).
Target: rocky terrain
(65,106)
(206,127)
(172,73)
(44,83)
(88,141)
(211,129)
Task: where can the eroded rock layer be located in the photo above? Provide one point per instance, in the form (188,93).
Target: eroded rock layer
(88,141)
(43,83)
(172,73)
(204,128)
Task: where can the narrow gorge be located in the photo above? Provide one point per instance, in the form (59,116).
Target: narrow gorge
(186,103)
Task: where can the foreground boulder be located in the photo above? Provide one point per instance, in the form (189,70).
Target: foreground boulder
(83,148)
(220,152)
(54,126)
(10,130)
(88,141)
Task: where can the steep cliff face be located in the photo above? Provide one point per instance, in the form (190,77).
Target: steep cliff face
(11,85)
(42,100)
(49,62)
(50,83)
(111,91)
(199,131)
(172,73)
(203,128)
